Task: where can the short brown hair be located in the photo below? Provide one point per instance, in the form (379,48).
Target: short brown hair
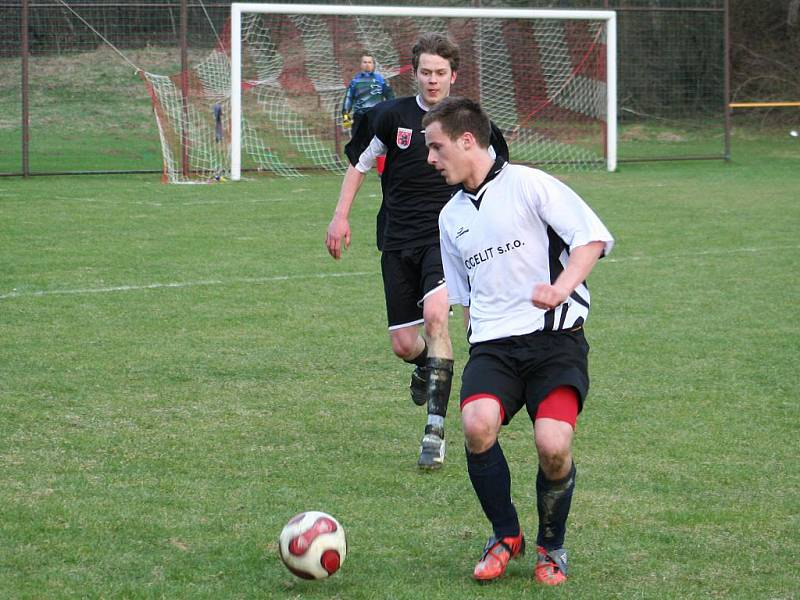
(438,44)
(458,115)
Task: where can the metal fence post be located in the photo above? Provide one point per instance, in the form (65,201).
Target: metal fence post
(727,77)
(23,50)
(184,28)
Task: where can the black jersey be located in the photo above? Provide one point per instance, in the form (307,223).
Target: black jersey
(413,191)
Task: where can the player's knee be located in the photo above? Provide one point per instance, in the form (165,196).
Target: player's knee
(555,452)
(480,433)
(479,440)
(405,345)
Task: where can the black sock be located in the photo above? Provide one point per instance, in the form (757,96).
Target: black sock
(491,480)
(420,359)
(553,499)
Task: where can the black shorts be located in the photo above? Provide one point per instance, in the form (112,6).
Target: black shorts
(408,277)
(522,370)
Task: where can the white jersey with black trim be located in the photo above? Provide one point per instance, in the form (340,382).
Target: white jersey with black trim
(516,231)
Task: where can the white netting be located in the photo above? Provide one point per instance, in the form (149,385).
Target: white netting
(542,81)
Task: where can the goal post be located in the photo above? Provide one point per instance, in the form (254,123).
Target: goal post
(546,77)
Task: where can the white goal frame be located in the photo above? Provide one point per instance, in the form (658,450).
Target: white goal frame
(238,8)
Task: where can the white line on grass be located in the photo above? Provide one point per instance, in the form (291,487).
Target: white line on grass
(717,252)
(178,284)
(256,280)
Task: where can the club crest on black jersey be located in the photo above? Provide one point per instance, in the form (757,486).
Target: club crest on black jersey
(403,137)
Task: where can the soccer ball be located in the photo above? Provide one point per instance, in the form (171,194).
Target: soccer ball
(313,545)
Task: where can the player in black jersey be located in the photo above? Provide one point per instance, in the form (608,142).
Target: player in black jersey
(408,230)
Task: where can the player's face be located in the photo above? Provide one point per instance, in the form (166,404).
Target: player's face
(367,64)
(446,155)
(434,78)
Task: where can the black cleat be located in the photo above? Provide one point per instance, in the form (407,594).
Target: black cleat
(419,386)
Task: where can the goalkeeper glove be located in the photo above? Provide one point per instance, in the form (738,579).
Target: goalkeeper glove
(347,122)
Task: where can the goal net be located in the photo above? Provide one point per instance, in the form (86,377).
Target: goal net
(269,97)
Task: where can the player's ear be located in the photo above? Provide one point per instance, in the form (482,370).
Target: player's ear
(453,75)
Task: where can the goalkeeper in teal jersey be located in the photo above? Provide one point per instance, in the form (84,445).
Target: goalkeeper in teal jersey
(366,89)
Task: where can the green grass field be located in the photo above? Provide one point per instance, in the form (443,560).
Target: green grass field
(183,368)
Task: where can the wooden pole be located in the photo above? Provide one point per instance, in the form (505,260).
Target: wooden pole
(764,105)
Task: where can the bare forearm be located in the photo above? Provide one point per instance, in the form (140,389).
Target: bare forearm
(351,183)
(581,262)
(338,235)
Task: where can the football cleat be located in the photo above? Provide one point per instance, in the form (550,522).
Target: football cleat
(551,566)
(419,386)
(496,555)
(431,452)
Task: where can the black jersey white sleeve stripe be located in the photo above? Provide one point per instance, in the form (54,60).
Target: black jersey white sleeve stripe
(369,157)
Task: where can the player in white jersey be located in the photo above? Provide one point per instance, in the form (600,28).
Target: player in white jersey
(517,246)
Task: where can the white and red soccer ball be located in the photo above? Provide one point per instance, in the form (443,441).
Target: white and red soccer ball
(313,545)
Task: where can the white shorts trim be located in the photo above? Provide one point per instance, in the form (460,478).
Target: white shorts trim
(431,292)
(404,325)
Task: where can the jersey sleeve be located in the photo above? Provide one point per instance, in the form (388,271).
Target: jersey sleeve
(363,148)
(567,213)
(347,103)
(369,157)
(455,275)
(383,119)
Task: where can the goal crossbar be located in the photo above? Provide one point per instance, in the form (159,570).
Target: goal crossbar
(240,8)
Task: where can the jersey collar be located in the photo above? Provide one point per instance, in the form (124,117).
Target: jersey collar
(476,196)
